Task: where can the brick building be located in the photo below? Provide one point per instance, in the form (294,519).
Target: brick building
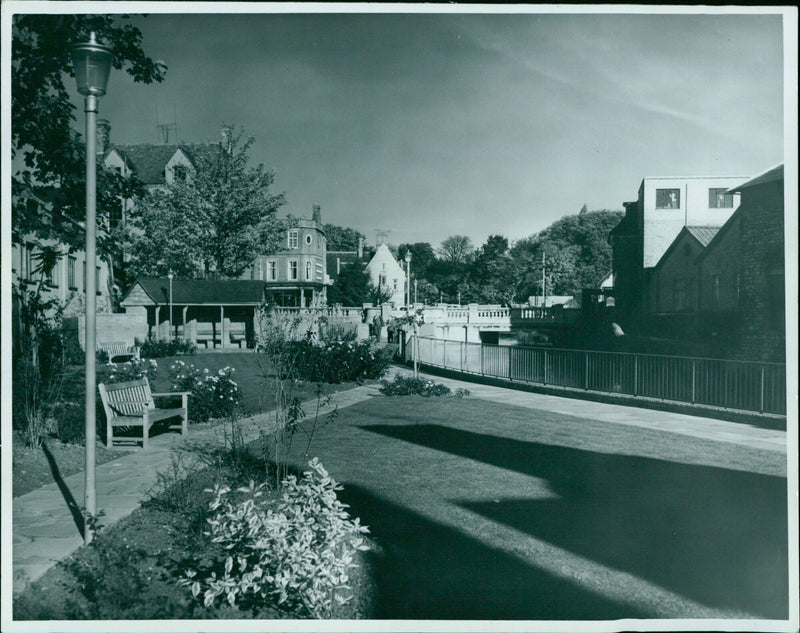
(761,304)
(651,223)
(296,275)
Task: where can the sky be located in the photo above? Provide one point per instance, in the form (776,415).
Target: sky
(430,125)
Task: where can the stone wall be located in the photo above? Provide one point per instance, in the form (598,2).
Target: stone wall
(116,328)
(762,273)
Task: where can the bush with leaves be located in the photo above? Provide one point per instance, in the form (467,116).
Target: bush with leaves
(295,554)
(162,349)
(213,396)
(410,386)
(335,361)
(134,369)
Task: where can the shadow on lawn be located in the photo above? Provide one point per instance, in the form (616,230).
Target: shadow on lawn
(430,571)
(716,536)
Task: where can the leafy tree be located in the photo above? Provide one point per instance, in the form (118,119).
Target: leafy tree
(42,117)
(48,185)
(422,256)
(491,270)
(577,255)
(342,238)
(456,249)
(213,223)
(353,287)
(425,292)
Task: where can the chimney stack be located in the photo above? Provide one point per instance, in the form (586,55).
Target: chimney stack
(316,214)
(227,132)
(103,136)
(360,248)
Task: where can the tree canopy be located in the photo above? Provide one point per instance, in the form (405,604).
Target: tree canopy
(213,223)
(342,238)
(456,249)
(42,122)
(353,287)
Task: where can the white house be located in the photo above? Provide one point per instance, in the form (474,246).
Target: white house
(386,273)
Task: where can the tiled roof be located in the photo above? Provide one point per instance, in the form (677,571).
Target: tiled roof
(149,161)
(207,291)
(704,234)
(345,259)
(772,175)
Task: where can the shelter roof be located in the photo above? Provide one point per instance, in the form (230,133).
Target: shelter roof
(703,234)
(202,291)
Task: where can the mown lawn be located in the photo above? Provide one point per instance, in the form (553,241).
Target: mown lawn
(490,511)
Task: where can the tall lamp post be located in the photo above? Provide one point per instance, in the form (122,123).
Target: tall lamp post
(170,275)
(408,277)
(92,64)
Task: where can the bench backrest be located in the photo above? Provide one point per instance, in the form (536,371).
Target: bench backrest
(114,348)
(126,398)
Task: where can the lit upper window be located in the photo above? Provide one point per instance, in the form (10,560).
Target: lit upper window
(668,198)
(718,199)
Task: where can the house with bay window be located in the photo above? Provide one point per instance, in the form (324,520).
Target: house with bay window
(295,275)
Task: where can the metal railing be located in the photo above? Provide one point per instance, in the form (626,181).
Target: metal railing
(726,384)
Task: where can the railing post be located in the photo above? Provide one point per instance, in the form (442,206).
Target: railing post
(482,348)
(586,376)
(545,367)
(461,355)
(635,375)
(761,407)
(694,368)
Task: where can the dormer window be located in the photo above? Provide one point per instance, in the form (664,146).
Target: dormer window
(293,237)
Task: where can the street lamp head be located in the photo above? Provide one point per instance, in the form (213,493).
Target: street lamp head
(92,63)
(170,276)
(408,257)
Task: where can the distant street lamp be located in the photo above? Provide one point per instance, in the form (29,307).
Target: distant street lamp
(408,277)
(415,292)
(92,64)
(170,305)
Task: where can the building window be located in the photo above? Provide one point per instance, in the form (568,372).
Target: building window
(272,271)
(381,281)
(53,281)
(115,216)
(27,261)
(179,173)
(718,199)
(260,271)
(71,261)
(309,239)
(293,271)
(737,292)
(292,239)
(680,295)
(96,279)
(668,198)
(715,289)
(308,271)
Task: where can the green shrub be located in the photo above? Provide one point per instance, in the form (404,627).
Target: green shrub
(132,370)
(410,386)
(295,554)
(333,361)
(212,395)
(161,349)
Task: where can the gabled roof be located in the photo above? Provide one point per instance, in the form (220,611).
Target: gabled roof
(149,161)
(771,175)
(719,235)
(701,234)
(202,291)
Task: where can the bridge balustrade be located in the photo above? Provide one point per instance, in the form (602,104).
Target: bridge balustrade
(719,383)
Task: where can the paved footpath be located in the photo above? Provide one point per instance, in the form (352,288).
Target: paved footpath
(45,529)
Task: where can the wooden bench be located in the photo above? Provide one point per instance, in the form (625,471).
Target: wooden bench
(131,404)
(118,349)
